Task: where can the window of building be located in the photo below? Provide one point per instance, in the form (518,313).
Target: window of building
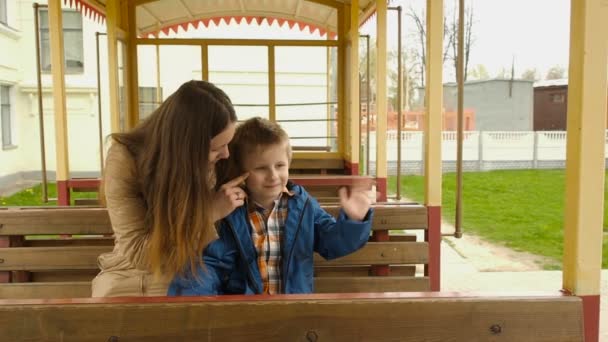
(149,100)
(558,98)
(5,116)
(3,15)
(72,42)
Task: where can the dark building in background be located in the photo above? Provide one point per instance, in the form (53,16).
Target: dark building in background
(550,105)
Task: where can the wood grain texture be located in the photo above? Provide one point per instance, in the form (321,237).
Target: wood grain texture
(82,289)
(50,258)
(550,319)
(55,221)
(382,253)
(85,257)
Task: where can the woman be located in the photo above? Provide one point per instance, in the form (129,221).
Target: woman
(158,184)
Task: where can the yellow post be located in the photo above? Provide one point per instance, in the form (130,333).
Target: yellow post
(381,99)
(381,102)
(113,28)
(272,99)
(341,70)
(432,136)
(585,156)
(61,124)
(132,82)
(353,84)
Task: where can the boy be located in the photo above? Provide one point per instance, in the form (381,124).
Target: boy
(267,245)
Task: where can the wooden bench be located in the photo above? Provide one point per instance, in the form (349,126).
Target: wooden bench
(37,264)
(323,187)
(408,317)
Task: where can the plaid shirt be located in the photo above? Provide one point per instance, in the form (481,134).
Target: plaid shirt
(267,235)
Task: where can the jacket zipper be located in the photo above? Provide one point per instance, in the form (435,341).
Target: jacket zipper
(242,251)
(293,245)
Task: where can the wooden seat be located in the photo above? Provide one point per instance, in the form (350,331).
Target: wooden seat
(41,262)
(319,317)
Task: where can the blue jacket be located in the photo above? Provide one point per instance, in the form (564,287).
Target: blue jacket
(231,261)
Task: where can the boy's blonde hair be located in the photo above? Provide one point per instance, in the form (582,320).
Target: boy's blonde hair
(250,136)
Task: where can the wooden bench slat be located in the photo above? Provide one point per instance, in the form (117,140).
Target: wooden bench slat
(56,221)
(315,163)
(46,290)
(83,221)
(97,241)
(361,271)
(63,275)
(382,253)
(82,289)
(340,318)
(392,217)
(50,258)
(85,257)
(371,284)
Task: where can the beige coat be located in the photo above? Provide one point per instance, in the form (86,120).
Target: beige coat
(122,271)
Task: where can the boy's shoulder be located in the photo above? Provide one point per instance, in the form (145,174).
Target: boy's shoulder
(296,189)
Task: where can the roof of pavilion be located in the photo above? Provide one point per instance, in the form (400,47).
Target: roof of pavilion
(165,16)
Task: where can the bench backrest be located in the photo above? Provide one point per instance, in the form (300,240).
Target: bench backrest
(364,317)
(52,253)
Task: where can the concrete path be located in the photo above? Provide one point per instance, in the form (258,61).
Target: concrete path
(460,273)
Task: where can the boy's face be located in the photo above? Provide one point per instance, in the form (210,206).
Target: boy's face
(268,171)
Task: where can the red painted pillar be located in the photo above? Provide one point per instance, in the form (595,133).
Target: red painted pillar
(591,317)
(381,235)
(351,168)
(63,192)
(433,237)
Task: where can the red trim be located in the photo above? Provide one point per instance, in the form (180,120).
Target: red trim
(86,183)
(381,190)
(5,276)
(87,10)
(63,193)
(591,317)
(351,168)
(433,237)
(302,25)
(256,298)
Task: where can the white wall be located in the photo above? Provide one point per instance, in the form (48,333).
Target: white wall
(241,71)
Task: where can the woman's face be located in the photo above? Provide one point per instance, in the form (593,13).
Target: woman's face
(219,144)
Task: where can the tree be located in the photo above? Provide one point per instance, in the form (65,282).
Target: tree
(409,66)
(503,73)
(450,39)
(479,72)
(530,75)
(556,72)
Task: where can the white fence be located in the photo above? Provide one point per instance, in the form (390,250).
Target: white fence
(481,150)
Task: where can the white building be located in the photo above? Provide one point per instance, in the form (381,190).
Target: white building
(301,77)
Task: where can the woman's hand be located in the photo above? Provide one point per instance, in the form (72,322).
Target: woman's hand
(355,200)
(229,197)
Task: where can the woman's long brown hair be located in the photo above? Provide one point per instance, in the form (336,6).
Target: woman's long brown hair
(171,151)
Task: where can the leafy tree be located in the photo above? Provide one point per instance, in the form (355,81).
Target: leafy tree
(530,75)
(450,38)
(556,72)
(479,72)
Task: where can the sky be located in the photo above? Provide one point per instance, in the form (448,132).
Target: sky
(530,33)
(533,33)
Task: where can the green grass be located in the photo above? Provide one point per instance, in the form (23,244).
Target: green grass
(522,209)
(33,197)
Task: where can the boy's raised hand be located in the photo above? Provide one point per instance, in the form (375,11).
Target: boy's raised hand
(229,197)
(354,200)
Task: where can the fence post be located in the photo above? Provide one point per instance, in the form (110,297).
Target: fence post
(480,151)
(535,151)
